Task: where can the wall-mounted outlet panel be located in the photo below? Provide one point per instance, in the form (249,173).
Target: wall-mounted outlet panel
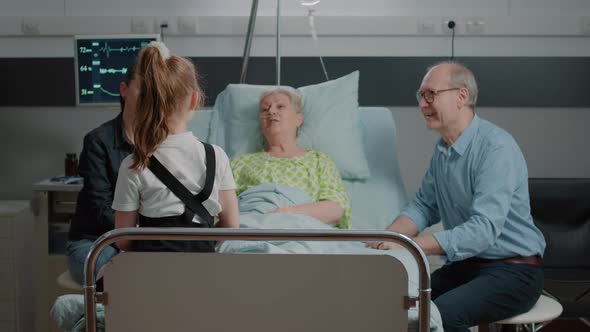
(142,25)
(187,25)
(475,26)
(170,23)
(445,25)
(427,26)
(30,26)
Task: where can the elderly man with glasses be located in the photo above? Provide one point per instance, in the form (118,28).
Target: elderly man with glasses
(477,186)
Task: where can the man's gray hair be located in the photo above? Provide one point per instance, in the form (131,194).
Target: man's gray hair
(462,77)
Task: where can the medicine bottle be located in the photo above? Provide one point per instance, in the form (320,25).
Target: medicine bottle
(71,164)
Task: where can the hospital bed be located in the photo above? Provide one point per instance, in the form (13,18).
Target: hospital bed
(277,292)
(226,292)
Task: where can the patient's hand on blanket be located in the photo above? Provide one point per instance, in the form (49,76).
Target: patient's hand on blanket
(383,245)
(286,209)
(328,212)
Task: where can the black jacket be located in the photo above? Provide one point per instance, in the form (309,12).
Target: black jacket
(104,149)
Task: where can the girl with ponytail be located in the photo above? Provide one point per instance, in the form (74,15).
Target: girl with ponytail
(168,96)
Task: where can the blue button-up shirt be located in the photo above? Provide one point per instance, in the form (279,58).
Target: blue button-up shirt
(478,188)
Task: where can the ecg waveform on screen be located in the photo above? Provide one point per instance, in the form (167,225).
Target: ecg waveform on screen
(108,49)
(103,64)
(104,70)
(112,71)
(87,92)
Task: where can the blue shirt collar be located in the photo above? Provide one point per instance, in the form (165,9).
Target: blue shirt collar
(464,140)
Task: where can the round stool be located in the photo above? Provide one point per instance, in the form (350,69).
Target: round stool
(65,280)
(545,310)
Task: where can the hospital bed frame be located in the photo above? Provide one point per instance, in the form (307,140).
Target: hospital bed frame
(375,288)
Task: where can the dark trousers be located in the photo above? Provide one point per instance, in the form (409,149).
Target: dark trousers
(469,294)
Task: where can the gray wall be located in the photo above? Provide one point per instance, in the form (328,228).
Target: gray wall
(553,141)
(34,142)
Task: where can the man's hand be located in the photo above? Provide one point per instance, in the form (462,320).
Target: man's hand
(383,245)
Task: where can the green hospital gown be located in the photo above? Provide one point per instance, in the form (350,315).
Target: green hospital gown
(314,172)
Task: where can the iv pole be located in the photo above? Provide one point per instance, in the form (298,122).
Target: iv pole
(278,42)
(248,45)
(249,35)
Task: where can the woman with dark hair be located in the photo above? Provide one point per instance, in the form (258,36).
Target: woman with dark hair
(104,149)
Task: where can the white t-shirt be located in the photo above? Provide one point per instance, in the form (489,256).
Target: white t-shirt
(184,156)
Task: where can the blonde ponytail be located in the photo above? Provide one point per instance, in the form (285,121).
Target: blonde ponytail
(164,82)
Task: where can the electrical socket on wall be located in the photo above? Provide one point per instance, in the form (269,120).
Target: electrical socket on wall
(187,25)
(169,22)
(142,25)
(426,26)
(475,26)
(30,26)
(447,23)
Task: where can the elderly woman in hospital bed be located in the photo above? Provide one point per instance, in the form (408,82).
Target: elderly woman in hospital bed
(286,164)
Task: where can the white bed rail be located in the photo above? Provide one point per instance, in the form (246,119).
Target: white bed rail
(91,297)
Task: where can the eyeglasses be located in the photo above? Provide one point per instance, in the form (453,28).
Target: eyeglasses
(429,95)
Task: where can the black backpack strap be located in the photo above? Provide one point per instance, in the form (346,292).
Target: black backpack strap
(210,175)
(191,201)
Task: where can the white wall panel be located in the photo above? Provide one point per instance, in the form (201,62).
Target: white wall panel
(210,46)
(32,8)
(550,7)
(338,36)
(299,26)
(288,7)
(451,8)
(10,25)
(521,46)
(163,8)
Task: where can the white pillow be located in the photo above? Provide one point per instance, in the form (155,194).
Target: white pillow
(331,122)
